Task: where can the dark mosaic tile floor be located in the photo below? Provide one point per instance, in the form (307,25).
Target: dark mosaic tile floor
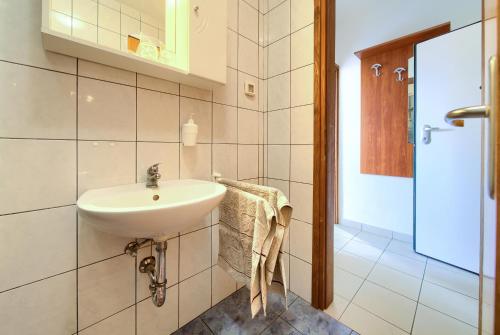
(232,316)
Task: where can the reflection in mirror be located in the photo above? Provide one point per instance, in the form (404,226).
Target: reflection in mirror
(156,30)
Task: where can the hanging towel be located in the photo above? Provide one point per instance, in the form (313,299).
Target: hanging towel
(245,222)
(272,253)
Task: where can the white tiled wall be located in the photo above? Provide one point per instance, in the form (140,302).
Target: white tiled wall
(105,22)
(68,125)
(288,138)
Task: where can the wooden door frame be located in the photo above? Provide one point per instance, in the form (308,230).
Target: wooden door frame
(324,153)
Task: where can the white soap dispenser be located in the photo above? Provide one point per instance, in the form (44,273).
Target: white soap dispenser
(189,133)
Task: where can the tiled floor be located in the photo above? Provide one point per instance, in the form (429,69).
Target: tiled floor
(382,287)
(232,316)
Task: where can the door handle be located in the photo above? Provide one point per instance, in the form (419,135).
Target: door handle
(456,118)
(427,132)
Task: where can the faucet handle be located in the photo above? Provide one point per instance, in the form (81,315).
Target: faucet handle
(153,169)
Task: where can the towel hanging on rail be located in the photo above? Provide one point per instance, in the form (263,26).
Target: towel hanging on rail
(254,221)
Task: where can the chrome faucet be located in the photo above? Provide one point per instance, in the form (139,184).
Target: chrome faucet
(153,176)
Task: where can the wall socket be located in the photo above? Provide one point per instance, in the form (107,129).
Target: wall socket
(249,89)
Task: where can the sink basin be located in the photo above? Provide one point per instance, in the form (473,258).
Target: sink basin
(139,212)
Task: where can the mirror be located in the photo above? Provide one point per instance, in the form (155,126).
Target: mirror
(156,30)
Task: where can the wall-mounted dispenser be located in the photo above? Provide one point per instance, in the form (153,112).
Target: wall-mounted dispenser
(189,133)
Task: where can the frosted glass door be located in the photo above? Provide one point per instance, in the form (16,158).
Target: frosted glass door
(448,160)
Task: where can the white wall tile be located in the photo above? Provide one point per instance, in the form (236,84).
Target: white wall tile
(195,252)
(301,240)
(103,72)
(105,288)
(26,37)
(279,57)
(34,161)
(132,12)
(108,39)
(33,99)
(196,93)
(282,185)
(228,94)
(129,25)
(248,125)
(248,21)
(85,10)
(302,88)
(223,284)
(301,163)
(279,92)
(109,19)
(301,200)
(51,308)
(106,111)
(62,6)
(157,84)
(215,244)
(225,124)
(84,30)
(302,46)
(167,154)
(279,162)
(279,126)
(248,156)
(157,116)
(279,21)
(300,278)
(28,231)
(246,101)
(94,245)
(105,164)
(122,323)
(302,13)
(196,162)
(248,56)
(302,124)
(225,160)
(194,296)
(60,23)
(152,320)
(232,14)
(232,49)
(201,111)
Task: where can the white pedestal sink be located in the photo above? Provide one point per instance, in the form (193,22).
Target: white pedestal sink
(154,213)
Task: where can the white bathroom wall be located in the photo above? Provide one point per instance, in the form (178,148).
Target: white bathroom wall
(67,125)
(288,136)
(379,201)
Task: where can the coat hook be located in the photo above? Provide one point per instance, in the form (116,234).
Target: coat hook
(400,71)
(377,68)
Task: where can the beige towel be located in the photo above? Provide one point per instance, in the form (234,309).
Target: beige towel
(245,222)
(277,233)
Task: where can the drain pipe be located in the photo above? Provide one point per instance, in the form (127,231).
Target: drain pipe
(158,288)
(155,268)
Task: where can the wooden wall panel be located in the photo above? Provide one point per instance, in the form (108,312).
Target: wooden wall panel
(384,116)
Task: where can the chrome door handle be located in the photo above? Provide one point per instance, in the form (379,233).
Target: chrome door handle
(456,118)
(426,133)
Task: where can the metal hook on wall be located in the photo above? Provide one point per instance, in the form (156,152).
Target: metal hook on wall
(399,71)
(377,68)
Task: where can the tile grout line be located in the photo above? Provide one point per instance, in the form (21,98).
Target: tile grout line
(364,279)
(77,181)
(418,298)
